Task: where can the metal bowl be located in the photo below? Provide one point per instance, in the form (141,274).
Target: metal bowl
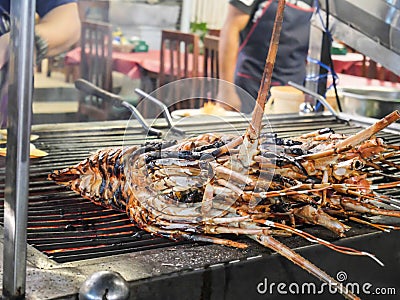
(373,102)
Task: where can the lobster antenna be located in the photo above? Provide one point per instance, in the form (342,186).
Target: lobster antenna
(258,112)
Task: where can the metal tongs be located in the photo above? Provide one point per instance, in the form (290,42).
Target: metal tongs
(316,96)
(164,109)
(91,89)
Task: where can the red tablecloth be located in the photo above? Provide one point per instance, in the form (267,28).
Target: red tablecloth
(352,64)
(127,63)
(346,80)
(130,63)
(343,63)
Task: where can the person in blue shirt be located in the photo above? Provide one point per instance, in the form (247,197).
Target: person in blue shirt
(58,26)
(57,29)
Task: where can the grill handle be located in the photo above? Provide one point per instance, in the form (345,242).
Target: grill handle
(163,107)
(91,89)
(316,96)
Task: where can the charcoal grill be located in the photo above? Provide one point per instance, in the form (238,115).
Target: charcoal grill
(70,238)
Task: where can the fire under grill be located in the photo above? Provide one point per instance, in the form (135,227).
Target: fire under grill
(67,228)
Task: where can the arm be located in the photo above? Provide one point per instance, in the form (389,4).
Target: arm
(60,28)
(235,22)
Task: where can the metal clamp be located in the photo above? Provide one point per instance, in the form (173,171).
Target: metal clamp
(91,89)
(316,96)
(164,109)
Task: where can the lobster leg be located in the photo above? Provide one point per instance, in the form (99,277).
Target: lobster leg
(303,263)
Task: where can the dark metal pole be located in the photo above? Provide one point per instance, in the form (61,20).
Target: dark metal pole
(325,54)
(17,160)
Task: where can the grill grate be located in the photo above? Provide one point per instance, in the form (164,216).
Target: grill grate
(68,228)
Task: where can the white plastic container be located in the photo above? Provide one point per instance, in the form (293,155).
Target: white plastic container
(284,99)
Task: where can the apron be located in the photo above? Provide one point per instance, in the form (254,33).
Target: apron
(290,63)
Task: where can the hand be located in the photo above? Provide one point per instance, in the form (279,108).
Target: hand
(4,57)
(228,98)
(4,49)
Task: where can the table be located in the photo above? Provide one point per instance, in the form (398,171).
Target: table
(130,63)
(342,63)
(124,62)
(358,65)
(136,65)
(346,80)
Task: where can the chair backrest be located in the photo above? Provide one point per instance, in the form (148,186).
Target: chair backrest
(210,68)
(179,58)
(214,32)
(96,53)
(96,67)
(210,64)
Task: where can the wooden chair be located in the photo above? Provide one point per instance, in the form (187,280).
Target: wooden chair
(210,67)
(214,32)
(89,10)
(55,63)
(96,67)
(178,60)
(374,70)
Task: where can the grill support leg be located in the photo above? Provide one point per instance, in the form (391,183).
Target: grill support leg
(17,160)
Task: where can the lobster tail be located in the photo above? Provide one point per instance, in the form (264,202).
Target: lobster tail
(64,176)
(99,178)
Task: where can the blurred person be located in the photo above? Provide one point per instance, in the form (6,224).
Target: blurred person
(244,44)
(56,31)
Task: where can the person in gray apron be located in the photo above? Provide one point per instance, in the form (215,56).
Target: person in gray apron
(253,22)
